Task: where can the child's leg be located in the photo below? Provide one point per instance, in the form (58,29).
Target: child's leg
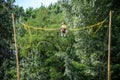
(61,34)
(65,33)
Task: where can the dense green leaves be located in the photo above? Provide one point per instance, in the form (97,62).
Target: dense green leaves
(7,67)
(45,55)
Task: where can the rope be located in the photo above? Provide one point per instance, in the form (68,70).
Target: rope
(88,27)
(36,28)
(75,29)
(28,28)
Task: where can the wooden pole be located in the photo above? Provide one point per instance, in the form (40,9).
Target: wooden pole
(17,60)
(109,41)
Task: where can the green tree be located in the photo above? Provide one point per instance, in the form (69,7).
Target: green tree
(85,13)
(44,55)
(7,58)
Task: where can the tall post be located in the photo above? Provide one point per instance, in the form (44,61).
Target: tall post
(109,41)
(16,49)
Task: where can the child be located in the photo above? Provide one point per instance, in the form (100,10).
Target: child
(63,29)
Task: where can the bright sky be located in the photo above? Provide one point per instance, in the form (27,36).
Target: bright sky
(33,3)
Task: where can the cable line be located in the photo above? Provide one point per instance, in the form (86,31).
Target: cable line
(74,29)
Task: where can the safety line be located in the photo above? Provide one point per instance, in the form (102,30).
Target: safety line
(36,28)
(88,27)
(74,29)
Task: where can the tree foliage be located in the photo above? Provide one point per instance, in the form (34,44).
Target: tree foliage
(45,55)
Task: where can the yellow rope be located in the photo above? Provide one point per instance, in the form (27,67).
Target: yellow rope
(28,28)
(30,36)
(36,28)
(75,29)
(88,27)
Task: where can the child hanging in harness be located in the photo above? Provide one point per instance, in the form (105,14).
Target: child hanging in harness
(63,29)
